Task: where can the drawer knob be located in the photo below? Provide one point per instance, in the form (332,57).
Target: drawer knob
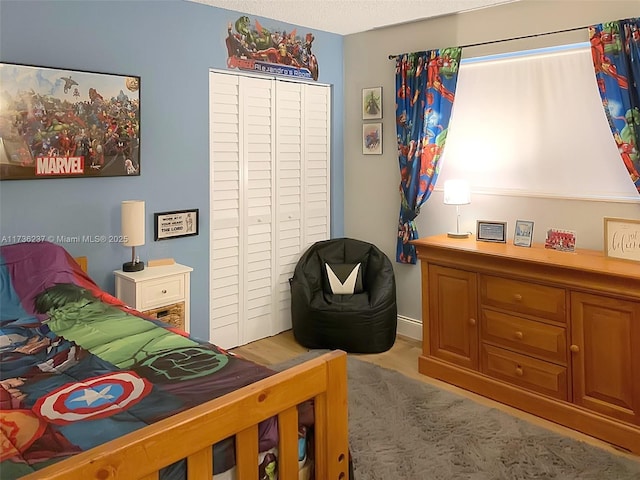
(574,348)
(517,297)
(472,321)
(519,335)
(519,371)
(164,290)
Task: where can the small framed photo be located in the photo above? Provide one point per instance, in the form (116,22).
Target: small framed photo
(523,235)
(371,103)
(372,139)
(622,238)
(491,231)
(179,223)
(562,240)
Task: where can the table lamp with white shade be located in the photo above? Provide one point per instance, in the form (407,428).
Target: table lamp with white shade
(133,228)
(457,192)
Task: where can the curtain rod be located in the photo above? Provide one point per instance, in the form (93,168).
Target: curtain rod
(391,57)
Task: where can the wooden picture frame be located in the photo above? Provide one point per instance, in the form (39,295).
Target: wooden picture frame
(59,132)
(372,139)
(561,240)
(622,238)
(523,233)
(488,231)
(371,103)
(179,223)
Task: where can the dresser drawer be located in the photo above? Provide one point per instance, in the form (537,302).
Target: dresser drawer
(523,297)
(163,291)
(527,336)
(526,372)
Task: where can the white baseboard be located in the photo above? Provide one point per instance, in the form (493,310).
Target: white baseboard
(409,327)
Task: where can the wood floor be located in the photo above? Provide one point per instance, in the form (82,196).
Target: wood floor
(403,357)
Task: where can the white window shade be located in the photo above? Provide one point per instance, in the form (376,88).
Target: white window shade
(534,125)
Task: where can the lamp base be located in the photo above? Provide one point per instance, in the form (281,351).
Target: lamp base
(132,267)
(458,234)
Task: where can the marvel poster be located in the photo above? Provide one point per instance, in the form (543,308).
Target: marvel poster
(253,47)
(67,123)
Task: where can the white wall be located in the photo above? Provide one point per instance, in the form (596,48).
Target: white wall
(372,200)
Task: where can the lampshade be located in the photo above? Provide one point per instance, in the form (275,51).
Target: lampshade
(133,222)
(457,192)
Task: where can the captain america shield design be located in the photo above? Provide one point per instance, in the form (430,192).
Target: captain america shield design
(92,398)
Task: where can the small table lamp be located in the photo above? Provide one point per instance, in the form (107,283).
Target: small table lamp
(457,192)
(133,232)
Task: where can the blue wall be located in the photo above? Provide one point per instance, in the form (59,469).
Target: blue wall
(171,45)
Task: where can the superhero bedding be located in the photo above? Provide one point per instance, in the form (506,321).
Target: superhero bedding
(78,368)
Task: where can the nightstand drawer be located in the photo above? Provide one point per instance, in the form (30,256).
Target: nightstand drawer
(171,314)
(523,297)
(526,372)
(161,292)
(527,336)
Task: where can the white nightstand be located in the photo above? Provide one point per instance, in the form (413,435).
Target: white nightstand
(161,292)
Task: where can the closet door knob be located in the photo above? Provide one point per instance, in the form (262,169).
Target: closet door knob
(472,321)
(574,348)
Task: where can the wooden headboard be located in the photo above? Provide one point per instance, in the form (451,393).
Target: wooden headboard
(82,261)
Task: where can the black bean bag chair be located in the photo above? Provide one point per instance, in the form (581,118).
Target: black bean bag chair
(343,296)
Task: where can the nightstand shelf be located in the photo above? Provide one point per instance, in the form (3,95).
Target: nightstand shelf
(160,292)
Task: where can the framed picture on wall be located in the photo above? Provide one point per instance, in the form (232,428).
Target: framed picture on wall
(68,123)
(179,223)
(371,103)
(372,139)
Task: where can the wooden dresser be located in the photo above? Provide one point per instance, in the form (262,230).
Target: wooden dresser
(553,333)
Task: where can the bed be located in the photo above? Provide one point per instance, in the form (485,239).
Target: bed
(91,389)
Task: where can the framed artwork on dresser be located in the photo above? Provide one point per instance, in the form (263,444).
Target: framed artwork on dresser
(487,231)
(622,238)
(523,234)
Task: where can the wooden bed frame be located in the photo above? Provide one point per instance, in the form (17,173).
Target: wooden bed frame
(191,434)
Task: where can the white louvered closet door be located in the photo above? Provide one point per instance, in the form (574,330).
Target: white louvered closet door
(227,176)
(257,102)
(317,162)
(302,166)
(269,158)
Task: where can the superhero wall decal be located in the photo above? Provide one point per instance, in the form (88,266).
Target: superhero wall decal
(278,52)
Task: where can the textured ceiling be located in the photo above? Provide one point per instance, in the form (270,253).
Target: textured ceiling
(349,16)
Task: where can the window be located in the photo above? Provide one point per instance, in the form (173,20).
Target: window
(532,124)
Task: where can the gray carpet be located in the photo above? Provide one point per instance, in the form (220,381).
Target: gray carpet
(402,429)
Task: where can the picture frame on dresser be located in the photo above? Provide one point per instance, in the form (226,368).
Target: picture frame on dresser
(523,233)
(622,238)
(489,231)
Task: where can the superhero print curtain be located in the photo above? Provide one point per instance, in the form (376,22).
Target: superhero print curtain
(425,90)
(615,49)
